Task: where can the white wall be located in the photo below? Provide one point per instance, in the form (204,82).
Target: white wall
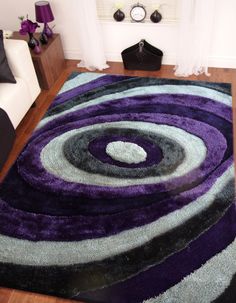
(224,41)
(118,36)
(65,20)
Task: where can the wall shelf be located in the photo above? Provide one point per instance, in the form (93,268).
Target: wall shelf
(145,23)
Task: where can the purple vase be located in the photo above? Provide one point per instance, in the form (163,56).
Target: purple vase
(47,30)
(32,41)
(37,49)
(43,38)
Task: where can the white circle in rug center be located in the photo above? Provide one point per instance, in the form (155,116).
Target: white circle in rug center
(126,152)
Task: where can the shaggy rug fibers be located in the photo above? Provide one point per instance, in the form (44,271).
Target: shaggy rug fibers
(125,193)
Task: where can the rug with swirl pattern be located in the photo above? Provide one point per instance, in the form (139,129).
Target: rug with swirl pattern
(125,193)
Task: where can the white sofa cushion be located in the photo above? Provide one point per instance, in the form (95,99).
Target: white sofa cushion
(19,59)
(15,99)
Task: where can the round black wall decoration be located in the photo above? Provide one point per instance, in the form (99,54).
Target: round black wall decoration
(156,16)
(119,15)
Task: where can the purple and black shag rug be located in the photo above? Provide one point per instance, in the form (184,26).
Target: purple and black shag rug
(125,194)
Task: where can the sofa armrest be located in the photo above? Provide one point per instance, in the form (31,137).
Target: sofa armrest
(20,62)
(7,136)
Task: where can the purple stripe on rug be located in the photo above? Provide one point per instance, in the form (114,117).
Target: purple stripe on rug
(113,106)
(159,278)
(78,90)
(35,227)
(32,171)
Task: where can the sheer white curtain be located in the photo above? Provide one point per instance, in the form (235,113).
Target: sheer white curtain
(195,37)
(90,36)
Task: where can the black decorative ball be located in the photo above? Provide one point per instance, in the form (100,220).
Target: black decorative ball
(119,15)
(156,16)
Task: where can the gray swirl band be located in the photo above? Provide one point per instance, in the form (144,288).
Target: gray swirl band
(76,152)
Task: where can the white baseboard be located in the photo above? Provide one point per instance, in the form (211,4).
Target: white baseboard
(114,57)
(72,54)
(223,62)
(169,59)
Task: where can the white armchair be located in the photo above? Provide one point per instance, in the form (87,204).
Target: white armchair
(16,99)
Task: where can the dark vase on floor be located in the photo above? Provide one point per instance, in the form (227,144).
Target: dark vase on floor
(156,16)
(119,15)
(32,41)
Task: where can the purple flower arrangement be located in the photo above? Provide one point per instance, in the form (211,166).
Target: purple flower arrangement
(29,27)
